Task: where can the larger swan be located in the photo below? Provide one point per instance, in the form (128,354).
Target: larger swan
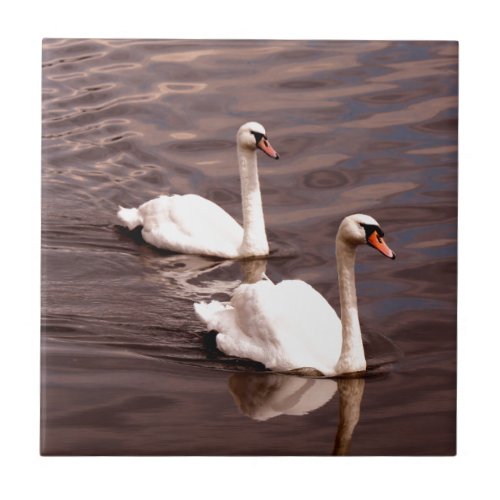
(290,326)
(194,225)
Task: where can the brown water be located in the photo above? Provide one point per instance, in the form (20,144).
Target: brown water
(360,127)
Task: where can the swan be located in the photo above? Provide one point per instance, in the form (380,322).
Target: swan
(194,225)
(290,326)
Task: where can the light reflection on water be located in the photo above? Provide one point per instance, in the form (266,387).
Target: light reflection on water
(360,126)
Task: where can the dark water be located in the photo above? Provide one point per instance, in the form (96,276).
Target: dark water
(360,127)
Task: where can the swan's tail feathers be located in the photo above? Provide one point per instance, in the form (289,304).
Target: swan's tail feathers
(207,311)
(129,217)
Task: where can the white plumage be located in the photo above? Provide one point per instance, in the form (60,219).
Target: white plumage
(284,326)
(186,224)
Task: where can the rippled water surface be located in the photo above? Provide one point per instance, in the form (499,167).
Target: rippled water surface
(360,127)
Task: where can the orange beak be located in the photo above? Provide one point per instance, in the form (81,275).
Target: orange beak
(378,243)
(265,146)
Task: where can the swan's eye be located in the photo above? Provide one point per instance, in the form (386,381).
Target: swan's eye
(258,136)
(370,229)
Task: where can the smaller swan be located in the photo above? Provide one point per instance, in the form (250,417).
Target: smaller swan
(192,224)
(290,326)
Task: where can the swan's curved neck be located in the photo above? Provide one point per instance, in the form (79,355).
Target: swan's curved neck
(254,231)
(352,356)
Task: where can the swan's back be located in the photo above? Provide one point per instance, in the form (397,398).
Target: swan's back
(190,224)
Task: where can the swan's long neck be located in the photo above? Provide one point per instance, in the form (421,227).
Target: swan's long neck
(254,231)
(352,356)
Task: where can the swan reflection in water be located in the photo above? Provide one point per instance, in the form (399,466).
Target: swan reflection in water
(193,277)
(262,396)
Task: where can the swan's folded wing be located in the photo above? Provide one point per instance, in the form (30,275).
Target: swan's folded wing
(293,325)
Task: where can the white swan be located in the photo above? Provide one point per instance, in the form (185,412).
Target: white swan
(194,225)
(290,326)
